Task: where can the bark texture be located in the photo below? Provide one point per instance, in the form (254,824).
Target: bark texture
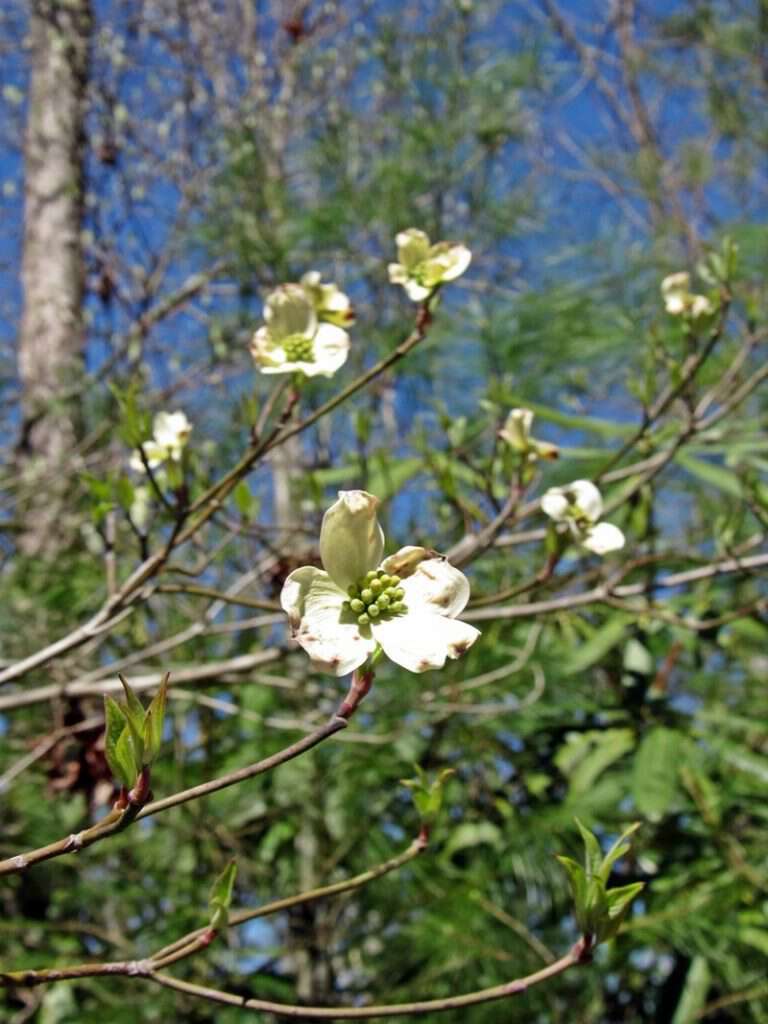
(50,348)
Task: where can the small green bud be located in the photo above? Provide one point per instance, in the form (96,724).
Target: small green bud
(370,575)
(367,595)
(383,601)
(363,620)
(374,611)
(398,606)
(357,606)
(376,586)
(399,594)
(382,574)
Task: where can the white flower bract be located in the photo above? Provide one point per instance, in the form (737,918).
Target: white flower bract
(680,301)
(517,434)
(421,267)
(580,506)
(406,604)
(294,339)
(170,433)
(329,301)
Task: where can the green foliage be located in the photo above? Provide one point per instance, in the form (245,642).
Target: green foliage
(600,910)
(221,896)
(133,735)
(428,796)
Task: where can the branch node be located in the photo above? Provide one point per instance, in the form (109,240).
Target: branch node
(138,968)
(75,841)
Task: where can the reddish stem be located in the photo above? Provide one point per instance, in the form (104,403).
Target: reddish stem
(362,680)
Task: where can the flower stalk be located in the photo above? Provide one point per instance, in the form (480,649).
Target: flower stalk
(362,681)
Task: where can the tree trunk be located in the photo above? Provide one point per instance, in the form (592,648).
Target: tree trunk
(50,348)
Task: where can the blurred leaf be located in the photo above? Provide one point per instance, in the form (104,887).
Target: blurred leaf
(599,644)
(221,896)
(717,476)
(473,834)
(655,779)
(693,997)
(584,756)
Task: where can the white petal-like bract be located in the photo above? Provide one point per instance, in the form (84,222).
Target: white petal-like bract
(437,586)
(314,606)
(603,538)
(555,504)
(422,640)
(331,346)
(588,499)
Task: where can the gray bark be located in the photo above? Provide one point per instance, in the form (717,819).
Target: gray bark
(50,346)
(51,337)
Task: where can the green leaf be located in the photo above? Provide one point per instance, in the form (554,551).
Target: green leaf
(134,709)
(124,492)
(245,503)
(717,476)
(135,424)
(116,725)
(577,879)
(655,784)
(221,895)
(387,475)
(618,849)
(593,855)
(125,758)
(134,716)
(599,644)
(153,736)
(473,834)
(694,995)
(745,761)
(637,658)
(584,756)
(618,902)
(757,938)
(428,797)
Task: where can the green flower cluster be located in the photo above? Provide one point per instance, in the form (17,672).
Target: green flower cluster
(299,348)
(377,595)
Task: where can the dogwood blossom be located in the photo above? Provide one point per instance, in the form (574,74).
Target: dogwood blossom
(680,301)
(170,433)
(330,302)
(517,433)
(407,604)
(295,339)
(580,505)
(422,266)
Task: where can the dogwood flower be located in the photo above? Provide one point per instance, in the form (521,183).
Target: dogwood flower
(170,433)
(680,301)
(517,433)
(331,304)
(407,604)
(422,267)
(580,505)
(294,340)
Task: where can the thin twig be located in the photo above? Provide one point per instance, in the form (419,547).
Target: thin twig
(122,816)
